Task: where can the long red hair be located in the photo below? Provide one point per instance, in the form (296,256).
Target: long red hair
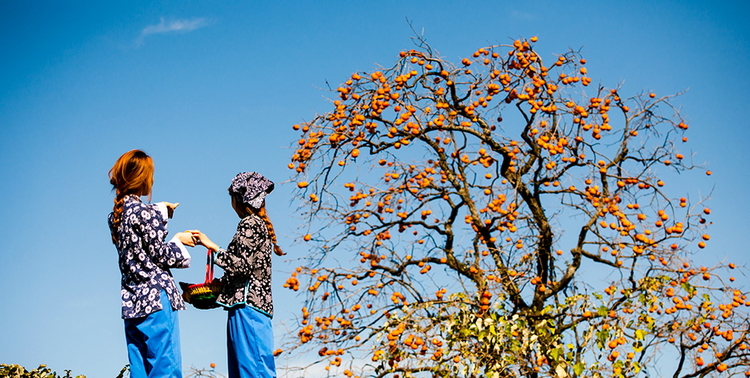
(133,173)
(271,232)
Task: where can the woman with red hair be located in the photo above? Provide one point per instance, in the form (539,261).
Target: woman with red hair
(150,297)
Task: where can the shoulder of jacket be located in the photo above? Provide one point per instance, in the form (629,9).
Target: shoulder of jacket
(140,209)
(136,205)
(132,200)
(251,219)
(252,223)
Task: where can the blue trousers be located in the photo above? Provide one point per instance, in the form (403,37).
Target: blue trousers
(250,344)
(154,343)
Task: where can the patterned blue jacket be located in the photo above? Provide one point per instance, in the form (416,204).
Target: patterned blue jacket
(145,258)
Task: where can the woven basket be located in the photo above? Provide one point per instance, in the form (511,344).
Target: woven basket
(203,295)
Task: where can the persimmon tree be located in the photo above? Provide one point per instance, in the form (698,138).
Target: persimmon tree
(506,217)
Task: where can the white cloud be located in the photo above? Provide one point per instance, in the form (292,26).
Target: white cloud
(172,26)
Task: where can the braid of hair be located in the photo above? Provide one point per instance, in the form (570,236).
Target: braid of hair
(264,215)
(117,214)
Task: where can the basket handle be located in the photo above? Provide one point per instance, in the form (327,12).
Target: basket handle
(209,266)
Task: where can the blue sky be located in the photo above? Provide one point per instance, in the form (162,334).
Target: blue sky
(210,89)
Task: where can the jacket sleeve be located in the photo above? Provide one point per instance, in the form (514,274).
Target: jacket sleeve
(243,255)
(153,232)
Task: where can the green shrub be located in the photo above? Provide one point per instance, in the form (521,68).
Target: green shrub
(18,371)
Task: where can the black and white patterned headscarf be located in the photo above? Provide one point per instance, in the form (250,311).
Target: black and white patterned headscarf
(251,187)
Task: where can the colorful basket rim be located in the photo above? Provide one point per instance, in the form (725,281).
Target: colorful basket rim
(203,295)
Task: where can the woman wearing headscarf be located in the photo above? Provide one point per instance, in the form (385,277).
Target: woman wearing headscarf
(246,291)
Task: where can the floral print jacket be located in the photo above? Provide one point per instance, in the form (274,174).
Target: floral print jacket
(145,258)
(247,267)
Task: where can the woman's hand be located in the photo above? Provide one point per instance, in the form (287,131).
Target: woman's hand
(170,208)
(203,239)
(187,238)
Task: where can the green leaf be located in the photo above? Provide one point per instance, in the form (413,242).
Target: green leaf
(640,334)
(579,368)
(602,336)
(602,311)
(638,347)
(555,353)
(687,287)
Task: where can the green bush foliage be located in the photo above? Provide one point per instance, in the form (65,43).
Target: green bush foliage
(18,371)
